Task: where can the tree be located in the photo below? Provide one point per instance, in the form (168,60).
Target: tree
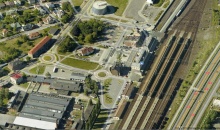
(6,93)
(65,18)
(28,58)
(25,38)
(86,91)
(48,75)
(90,102)
(89,38)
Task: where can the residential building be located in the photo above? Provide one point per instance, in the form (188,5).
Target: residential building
(17,2)
(86,51)
(10,12)
(41,47)
(58,13)
(9,3)
(16,78)
(39,8)
(4,32)
(49,5)
(16,25)
(16,65)
(27,27)
(31,2)
(34,35)
(2,5)
(48,20)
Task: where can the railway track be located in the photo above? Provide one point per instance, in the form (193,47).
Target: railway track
(144,105)
(203,86)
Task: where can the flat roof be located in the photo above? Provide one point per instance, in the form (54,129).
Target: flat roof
(34,123)
(6,119)
(68,85)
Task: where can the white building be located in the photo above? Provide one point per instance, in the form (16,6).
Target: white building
(35,123)
(150,1)
(216,103)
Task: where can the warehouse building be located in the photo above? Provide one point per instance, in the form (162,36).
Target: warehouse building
(44,107)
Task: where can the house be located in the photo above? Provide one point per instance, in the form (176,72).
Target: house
(27,27)
(48,20)
(4,32)
(17,2)
(41,47)
(2,5)
(31,2)
(16,25)
(58,13)
(86,51)
(16,78)
(10,12)
(16,65)
(49,5)
(9,3)
(40,9)
(34,35)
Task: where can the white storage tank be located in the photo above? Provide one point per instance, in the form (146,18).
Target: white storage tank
(99,7)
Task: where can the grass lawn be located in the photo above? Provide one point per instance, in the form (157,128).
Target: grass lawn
(24,85)
(77,2)
(108,99)
(102,74)
(80,64)
(24,47)
(47,58)
(119,5)
(158,16)
(158,3)
(40,71)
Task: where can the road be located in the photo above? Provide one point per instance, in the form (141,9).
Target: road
(205,105)
(204,75)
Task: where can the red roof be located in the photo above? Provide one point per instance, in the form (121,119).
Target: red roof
(87,50)
(39,45)
(33,35)
(16,76)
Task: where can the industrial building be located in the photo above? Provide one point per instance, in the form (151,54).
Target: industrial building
(42,108)
(99,7)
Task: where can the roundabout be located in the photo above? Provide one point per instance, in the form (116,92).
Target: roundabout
(48,58)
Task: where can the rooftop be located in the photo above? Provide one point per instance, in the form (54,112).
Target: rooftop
(16,76)
(39,45)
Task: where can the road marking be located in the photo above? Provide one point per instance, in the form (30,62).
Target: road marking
(207,73)
(188,106)
(209,82)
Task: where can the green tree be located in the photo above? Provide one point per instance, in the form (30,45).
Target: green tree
(6,93)
(89,38)
(86,91)
(90,102)
(48,75)
(25,38)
